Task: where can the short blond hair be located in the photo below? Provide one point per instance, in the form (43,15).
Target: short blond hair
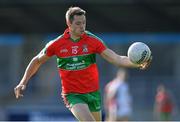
(72,11)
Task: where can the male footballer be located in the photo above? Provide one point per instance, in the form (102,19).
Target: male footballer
(76,51)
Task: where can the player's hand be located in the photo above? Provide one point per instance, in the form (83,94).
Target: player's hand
(18,90)
(146,64)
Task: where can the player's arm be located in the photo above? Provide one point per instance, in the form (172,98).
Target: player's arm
(31,69)
(121,61)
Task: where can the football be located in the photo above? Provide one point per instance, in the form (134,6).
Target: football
(139,52)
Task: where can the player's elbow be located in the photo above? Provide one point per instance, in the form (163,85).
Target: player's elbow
(36,61)
(121,61)
(115,60)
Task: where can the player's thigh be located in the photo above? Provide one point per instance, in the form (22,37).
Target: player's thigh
(82,112)
(97,115)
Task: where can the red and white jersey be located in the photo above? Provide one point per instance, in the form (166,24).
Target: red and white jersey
(118,98)
(164,102)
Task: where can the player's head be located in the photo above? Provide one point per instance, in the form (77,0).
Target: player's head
(122,74)
(161,88)
(76,20)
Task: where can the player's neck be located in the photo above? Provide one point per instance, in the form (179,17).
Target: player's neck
(74,37)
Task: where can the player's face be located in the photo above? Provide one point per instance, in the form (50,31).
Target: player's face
(78,25)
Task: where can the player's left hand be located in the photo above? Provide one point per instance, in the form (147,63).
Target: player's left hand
(146,64)
(18,90)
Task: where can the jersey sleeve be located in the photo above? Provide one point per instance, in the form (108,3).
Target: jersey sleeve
(100,46)
(49,49)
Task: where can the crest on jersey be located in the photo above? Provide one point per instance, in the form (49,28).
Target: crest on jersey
(85,49)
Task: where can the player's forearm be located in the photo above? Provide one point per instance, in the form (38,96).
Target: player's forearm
(30,70)
(125,62)
(120,61)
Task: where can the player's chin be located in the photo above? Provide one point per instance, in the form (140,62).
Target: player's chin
(82,32)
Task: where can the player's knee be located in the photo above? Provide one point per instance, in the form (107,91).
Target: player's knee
(82,113)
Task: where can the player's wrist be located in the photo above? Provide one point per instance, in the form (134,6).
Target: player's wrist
(138,66)
(133,65)
(22,84)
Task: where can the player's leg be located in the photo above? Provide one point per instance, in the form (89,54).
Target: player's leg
(123,114)
(165,116)
(95,105)
(82,112)
(78,107)
(97,115)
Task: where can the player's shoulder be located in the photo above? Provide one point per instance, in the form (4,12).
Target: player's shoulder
(93,36)
(109,84)
(55,41)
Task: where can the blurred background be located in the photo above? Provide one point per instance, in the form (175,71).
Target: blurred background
(27,25)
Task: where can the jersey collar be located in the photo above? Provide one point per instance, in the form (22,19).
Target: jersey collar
(67,35)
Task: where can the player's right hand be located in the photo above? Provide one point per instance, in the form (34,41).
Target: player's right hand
(18,90)
(146,64)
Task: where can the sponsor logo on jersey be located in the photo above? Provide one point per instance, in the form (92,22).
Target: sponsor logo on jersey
(63,51)
(75,59)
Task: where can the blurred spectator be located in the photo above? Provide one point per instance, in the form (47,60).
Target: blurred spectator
(117,98)
(163,104)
